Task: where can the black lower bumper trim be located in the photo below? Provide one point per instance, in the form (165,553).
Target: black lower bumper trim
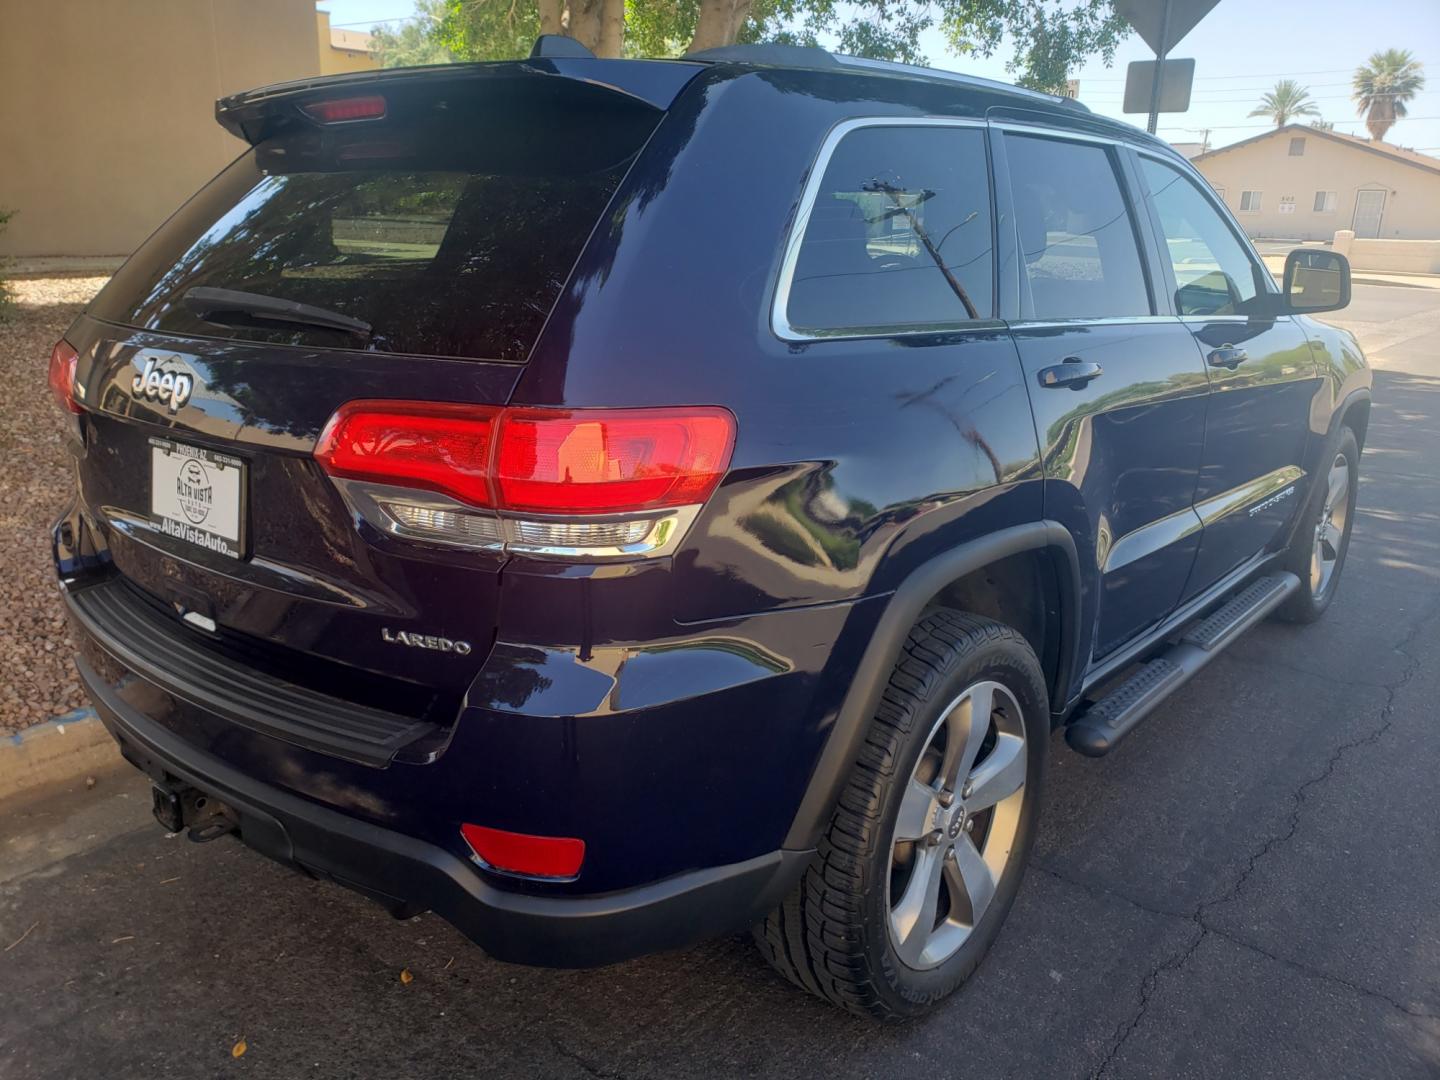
(407,874)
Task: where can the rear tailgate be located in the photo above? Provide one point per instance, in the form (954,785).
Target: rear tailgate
(442,225)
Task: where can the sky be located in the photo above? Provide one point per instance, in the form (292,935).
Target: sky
(1240,50)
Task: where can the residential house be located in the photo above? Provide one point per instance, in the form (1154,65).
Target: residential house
(1303,183)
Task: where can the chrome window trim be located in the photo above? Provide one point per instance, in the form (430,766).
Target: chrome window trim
(1016,127)
(780,324)
(1081,320)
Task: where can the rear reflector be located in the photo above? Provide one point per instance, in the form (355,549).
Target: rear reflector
(548,461)
(343,110)
(63,359)
(519,853)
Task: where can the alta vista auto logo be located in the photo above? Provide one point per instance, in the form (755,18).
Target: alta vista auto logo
(165,380)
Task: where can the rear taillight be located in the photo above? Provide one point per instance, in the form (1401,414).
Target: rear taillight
(63,360)
(520,853)
(596,483)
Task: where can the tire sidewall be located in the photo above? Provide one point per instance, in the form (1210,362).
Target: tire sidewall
(1013,665)
(1307,605)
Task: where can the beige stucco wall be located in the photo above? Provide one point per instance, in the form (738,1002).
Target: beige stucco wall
(1412,199)
(107,109)
(338,59)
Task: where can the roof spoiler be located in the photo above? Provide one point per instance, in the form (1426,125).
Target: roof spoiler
(256,115)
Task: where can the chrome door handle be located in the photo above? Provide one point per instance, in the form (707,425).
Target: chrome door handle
(1227,356)
(1072,372)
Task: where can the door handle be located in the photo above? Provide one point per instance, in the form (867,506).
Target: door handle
(1072,372)
(1227,356)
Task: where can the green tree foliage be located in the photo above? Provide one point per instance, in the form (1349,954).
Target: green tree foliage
(1287,101)
(1383,87)
(416,41)
(1049,37)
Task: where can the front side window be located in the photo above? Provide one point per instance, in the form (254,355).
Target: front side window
(1250,202)
(1076,236)
(1214,275)
(898,237)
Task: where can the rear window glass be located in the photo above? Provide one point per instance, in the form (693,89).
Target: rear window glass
(441,246)
(899,236)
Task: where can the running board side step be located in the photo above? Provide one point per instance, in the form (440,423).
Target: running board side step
(1099,728)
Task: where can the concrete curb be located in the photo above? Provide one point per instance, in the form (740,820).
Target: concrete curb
(64,749)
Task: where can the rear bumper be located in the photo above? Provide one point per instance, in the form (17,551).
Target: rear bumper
(405,873)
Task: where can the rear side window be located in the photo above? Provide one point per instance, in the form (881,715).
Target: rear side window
(449,237)
(899,235)
(1082,258)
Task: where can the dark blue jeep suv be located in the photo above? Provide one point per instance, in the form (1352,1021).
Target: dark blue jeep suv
(613,503)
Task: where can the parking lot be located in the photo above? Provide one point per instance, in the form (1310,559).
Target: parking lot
(1249,887)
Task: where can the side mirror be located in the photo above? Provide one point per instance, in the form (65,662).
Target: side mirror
(1316,280)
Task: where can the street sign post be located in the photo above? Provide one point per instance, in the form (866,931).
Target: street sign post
(1161,24)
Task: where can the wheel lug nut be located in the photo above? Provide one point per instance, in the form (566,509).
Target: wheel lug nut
(936,837)
(970,824)
(946,798)
(965,792)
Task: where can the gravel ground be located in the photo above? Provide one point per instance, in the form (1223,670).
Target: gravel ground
(39,680)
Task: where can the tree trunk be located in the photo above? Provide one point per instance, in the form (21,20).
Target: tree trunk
(612,28)
(583,22)
(719,23)
(1380,118)
(551,13)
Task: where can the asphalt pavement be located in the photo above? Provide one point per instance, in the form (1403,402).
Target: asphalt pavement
(1249,887)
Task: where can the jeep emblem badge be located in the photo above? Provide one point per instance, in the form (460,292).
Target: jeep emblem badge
(424,641)
(161,383)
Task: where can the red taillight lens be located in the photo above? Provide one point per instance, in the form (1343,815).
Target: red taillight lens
(552,461)
(443,448)
(519,853)
(610,461)
(343,110)
(63,359)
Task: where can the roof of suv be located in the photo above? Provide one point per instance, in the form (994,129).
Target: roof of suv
(655,81)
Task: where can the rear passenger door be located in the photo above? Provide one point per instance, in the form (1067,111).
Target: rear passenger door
(1262,374)
(1118,388)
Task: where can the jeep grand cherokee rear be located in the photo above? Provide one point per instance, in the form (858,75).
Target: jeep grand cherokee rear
(603,501)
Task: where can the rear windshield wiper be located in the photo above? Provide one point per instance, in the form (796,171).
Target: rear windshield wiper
(206,302)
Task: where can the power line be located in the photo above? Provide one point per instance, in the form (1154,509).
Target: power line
(1252,75)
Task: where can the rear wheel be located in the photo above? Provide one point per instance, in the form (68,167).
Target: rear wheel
(1317,553)
(927,846)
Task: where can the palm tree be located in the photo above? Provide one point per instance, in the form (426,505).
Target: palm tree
(1383,86)
(1288,100)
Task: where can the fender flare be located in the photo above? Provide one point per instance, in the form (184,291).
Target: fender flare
(905,607)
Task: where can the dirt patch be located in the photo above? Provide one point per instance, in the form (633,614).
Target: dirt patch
(36,480)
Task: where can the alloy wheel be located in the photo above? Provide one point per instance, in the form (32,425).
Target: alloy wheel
(1330,529)
(957,825)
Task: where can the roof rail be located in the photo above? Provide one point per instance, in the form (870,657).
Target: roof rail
(554,45)
(898,68)
(776,55)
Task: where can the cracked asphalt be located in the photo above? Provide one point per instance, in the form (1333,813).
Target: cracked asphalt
(1249,887)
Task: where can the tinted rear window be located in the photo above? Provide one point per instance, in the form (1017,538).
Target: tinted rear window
(451,235)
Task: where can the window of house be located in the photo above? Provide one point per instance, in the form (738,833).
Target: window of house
(1297,147)
(1220,193)
(1076,235)
(1325,202)
(1250,202)
(899,236)
(1214,274)
(1287,204)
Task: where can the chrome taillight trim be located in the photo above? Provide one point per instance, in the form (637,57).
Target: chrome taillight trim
(516,533)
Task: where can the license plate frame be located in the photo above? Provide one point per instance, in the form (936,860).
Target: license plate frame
(199,496)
